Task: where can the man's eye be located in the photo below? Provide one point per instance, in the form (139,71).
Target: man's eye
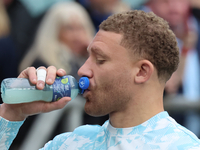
(100,61)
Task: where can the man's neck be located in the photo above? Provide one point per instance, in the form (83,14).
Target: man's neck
(136,113)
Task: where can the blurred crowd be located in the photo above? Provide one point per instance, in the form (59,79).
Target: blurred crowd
(57,32)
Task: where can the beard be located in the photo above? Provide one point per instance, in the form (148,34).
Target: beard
(107,98)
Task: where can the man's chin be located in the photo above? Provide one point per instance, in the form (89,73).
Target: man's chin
(93,112)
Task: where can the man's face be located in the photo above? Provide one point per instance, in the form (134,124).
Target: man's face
(109,69)
(174,11)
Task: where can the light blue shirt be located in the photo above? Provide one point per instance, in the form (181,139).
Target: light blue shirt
(160,132)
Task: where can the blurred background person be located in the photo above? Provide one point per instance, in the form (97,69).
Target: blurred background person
(186,80)
(62,39)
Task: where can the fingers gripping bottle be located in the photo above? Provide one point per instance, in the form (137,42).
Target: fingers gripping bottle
(20,90)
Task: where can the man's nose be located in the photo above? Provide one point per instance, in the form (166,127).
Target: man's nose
(86,69)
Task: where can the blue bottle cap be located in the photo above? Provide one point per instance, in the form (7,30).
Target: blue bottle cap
(84,83)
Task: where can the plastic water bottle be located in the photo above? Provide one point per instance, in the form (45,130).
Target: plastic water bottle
(20,90)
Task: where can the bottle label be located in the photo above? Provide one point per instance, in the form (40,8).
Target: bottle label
(61,88)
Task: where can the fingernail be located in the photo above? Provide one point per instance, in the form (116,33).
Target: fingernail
(61,71)
(34,80)
(50,80)
(41,85)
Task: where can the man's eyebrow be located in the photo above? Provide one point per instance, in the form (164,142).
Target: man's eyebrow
(97,51)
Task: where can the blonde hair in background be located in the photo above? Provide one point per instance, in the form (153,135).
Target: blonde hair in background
(47,46)
(4,21)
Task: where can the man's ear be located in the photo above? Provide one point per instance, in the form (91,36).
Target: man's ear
(145,70)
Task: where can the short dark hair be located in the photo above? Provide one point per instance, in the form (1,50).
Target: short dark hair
(148,37)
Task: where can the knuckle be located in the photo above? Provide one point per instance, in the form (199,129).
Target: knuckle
(52,67)
(30,68)
(61,69)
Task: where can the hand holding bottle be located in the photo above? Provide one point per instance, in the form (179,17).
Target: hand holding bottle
(18,112)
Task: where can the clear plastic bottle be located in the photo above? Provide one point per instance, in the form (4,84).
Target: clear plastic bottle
(20,90)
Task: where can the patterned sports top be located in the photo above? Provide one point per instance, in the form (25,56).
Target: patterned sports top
(160,132)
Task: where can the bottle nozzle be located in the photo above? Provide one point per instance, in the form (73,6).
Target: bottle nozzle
(84,84)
